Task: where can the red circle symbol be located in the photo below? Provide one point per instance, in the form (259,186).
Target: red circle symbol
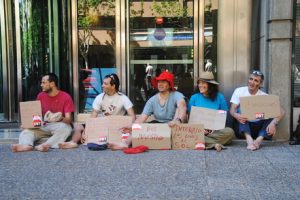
(159,20)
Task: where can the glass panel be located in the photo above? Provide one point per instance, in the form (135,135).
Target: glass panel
(1,79)
(161,38)
(62,43)
(96,42)
(296,69)
(210,35)
(35,45)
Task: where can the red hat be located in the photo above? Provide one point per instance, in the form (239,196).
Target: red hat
(165,76)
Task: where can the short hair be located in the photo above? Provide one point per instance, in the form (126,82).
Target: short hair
(258,73)
(52,78)
(114,80)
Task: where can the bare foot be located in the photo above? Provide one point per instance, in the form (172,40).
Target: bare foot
(218,147)
(67,145)
(251,147)
(21,148)
(117,146)
(43,147)
(256,144)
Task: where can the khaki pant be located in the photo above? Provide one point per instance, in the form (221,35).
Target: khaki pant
(223,137)
(56,132)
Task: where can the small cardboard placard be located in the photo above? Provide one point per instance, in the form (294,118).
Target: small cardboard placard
(31,114)
(211,119)
(152,135)
(260,107)
(188,136)
(106,129)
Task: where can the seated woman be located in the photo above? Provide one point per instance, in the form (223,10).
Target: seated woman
(210,97)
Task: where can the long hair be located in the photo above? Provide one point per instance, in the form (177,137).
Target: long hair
(212,91)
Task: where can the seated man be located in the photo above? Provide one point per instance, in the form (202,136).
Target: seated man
(110,102)
(168,105)
(266,128)
(58,130)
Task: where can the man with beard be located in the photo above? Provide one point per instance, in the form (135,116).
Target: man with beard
(57,128)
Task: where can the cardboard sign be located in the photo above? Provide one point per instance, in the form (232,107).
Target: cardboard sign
(152,135)
(188,136)
(260,107)
(106,129)
(31,114)
(211,119)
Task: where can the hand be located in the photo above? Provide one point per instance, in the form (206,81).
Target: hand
(207,132)
(271,129)
(173,123)
(240,119)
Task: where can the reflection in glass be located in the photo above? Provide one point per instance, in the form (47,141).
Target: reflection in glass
(161,38)
(44,43)
(296,67)
(35,45)
(97,44)
(210,35)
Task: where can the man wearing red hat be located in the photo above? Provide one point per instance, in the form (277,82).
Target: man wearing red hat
(168,105)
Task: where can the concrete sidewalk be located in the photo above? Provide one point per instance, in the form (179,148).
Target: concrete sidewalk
(272,172)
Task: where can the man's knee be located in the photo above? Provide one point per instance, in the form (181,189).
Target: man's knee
(26,137)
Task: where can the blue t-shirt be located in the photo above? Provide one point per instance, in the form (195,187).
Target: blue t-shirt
(166,112)
(199,100)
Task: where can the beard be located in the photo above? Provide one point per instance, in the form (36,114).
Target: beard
(49,90)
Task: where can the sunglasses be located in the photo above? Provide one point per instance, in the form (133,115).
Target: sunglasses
(257,73)
(111,76)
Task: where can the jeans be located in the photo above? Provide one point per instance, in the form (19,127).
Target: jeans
(255,129)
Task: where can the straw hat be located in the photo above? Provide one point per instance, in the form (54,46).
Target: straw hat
(208,77)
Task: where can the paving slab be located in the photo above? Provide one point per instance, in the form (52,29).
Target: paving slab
(236,173)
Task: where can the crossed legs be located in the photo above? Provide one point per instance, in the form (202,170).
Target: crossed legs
(76,138)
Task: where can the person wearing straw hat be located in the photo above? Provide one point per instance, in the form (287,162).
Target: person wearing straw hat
(168,105)
(209,97)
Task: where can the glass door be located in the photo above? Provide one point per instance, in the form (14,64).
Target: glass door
(161,37)
(1,76)
(96,21)
(44,44)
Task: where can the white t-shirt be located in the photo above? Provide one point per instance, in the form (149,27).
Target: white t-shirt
(116,104)
(243,92)
(149,70)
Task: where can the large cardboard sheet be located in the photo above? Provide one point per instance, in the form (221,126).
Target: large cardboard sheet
(260,107)
(187,136)
(211,119)
(106,129)
(152,135)
(31,114)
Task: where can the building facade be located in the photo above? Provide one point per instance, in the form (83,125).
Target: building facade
(83,40)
